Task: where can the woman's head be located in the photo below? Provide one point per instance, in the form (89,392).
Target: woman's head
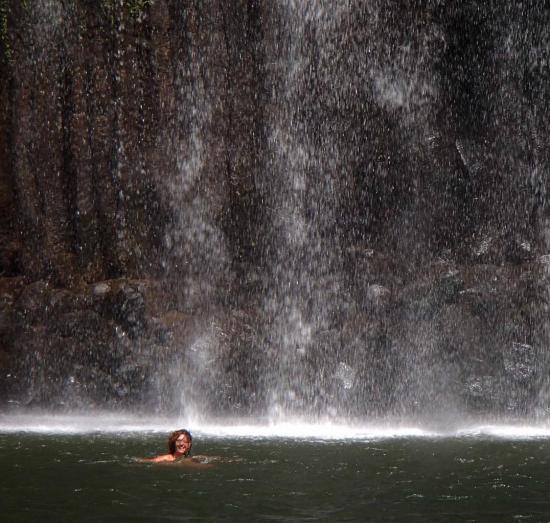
(180,442)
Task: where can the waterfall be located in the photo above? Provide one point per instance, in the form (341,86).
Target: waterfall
(275,209)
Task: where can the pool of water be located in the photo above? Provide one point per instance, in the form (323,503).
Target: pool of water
(57,471)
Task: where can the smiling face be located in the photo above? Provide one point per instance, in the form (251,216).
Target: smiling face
(183,445)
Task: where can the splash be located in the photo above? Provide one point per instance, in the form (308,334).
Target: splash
(127,424)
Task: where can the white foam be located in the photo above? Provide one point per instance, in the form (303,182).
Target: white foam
(112,423)
(313,431)
(81,424)
(507,431)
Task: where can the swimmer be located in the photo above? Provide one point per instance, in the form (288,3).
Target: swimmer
(179,447)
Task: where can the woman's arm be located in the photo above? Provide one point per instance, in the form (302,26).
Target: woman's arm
(158,459)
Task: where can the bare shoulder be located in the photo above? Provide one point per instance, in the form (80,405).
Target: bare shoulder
(164,458)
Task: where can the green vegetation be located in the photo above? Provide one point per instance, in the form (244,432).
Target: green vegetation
(6,52)
(134,7)
(138,6)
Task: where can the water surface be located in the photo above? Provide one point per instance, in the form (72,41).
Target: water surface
(93,476)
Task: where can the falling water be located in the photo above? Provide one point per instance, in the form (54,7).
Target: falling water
(277,209)
(305,270)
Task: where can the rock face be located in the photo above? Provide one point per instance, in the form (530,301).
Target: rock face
(249,206)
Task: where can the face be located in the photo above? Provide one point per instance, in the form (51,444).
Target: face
(183,444)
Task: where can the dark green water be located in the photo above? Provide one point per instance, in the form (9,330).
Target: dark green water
(95,478)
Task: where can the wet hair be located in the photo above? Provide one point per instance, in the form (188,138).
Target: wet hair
(174,436)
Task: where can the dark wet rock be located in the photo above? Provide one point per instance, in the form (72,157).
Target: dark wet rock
(10,263)
(145,208)
(504,248)
(483,391)
(417,301)
(8,330)
(101,289)
(482,301)
(10,289)
(64,301)
(237,364)
(7,320)
(126,305)
(449,287)
(79,324)
(519,250)
(34,302)
(160,332)
(377,299)
(520,362)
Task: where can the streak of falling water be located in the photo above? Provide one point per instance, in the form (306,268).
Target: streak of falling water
(198,261)
(302,198)
(199,257)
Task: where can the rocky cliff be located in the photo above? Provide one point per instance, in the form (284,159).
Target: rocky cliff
(275,206)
